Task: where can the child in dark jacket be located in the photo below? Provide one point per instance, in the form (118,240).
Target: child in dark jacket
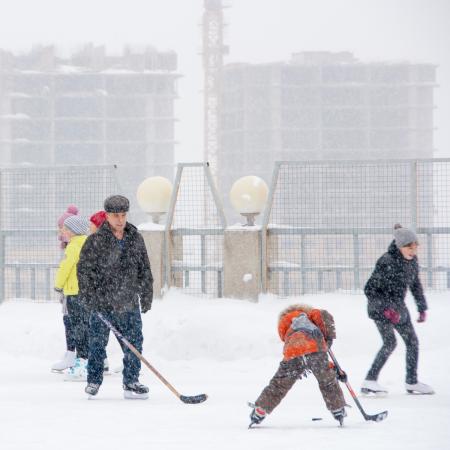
(307,334)
(395,272)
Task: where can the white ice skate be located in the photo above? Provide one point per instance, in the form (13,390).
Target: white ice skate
(419,388)
(78,372)
(118,369)
(371,387)
(67,361)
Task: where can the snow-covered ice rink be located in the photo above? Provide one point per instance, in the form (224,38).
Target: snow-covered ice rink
(228,349)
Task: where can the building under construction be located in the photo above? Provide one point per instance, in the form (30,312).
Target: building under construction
(90,108)
(322,106)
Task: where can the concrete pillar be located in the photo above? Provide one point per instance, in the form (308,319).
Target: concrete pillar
(154,243)
(242,263)
(273,258)
(175,260)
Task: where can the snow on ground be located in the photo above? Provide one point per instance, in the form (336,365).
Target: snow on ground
(228,349)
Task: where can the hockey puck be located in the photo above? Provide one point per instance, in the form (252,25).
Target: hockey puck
(316,418)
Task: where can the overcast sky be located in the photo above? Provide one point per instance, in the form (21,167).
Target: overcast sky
(257,31)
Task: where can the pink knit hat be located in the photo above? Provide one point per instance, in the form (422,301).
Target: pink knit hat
(72,210)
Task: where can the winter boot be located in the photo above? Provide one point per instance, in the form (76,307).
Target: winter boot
(78,372)
(257,416)
(419,388)
(68,360)
(135,391)
(372,387)
(92,389)
(339,415)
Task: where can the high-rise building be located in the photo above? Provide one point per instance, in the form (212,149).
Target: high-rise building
(322,106)
(89,108)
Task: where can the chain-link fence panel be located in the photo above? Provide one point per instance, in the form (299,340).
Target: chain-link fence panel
(328,222)
(31,201)
(194,233)
(130,177)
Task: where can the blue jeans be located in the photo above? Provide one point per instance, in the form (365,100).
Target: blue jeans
(130,325)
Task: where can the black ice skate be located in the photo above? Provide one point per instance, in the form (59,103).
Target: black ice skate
(257,415)
(339,415)
(135,391)
(92,389)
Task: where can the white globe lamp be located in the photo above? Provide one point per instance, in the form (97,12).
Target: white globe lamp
(248,196)
(153,196)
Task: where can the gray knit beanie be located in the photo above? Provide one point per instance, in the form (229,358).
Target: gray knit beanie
(404,236)
(77,224)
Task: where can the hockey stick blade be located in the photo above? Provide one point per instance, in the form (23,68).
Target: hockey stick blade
(191,400)
(376,417)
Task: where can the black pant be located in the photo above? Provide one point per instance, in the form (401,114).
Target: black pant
(406,331)
(70,339)
(79,319)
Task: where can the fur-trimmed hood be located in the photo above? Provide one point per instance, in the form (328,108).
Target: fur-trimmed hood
(297,307)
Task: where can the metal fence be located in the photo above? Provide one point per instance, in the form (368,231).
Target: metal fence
(324,226)
(326,223)
(31,200)
(194,232)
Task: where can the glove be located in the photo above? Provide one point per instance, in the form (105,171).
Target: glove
(422,316)
(392,315)
(340,375)
(60,294)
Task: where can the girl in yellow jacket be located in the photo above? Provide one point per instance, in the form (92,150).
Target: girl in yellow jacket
(75,230)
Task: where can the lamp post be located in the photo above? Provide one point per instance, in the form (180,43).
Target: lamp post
(153,196)
(248,196)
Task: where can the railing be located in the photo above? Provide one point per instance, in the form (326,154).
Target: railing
(358,268)
(201,266)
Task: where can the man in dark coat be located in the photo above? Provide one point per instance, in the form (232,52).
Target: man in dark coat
(114,277)
(395,272)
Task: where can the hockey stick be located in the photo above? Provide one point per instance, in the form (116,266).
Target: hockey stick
(375,417)
(184,398)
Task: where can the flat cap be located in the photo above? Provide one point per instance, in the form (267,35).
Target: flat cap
(116,204)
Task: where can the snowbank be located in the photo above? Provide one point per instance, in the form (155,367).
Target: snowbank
(228,349)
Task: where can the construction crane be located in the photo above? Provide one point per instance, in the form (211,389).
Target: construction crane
(213,54)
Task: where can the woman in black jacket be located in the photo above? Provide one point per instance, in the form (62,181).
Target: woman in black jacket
(395,272)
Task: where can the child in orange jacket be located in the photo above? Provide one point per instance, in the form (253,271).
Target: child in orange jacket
(307,333)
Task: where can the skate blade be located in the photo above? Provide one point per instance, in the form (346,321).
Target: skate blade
(129,395)
(412,392)
(65,370)
(371,393)
(77,379)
